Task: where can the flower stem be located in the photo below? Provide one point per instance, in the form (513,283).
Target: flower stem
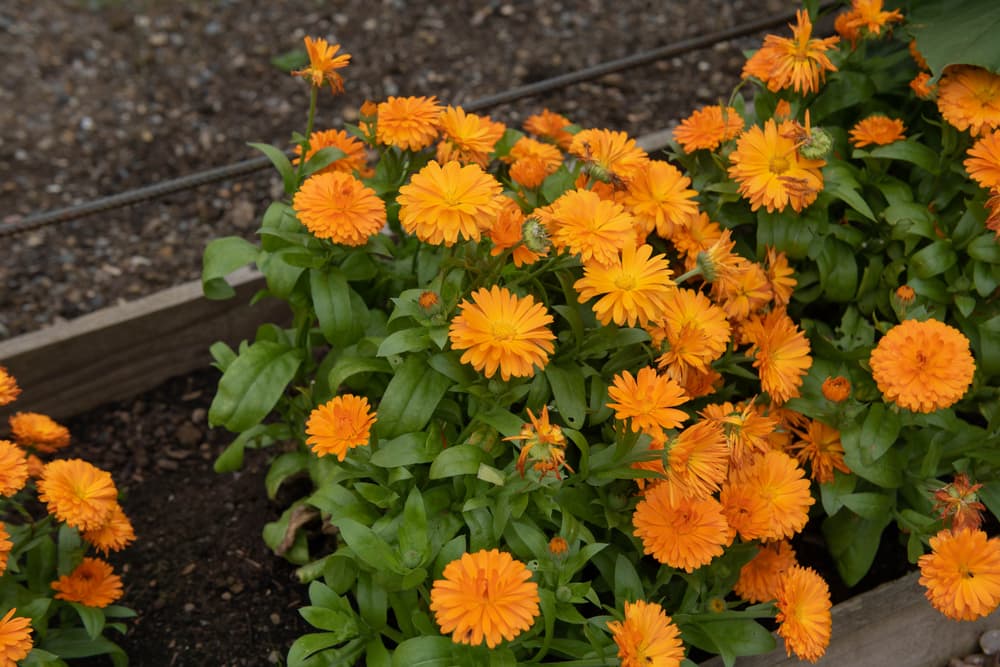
(313,97)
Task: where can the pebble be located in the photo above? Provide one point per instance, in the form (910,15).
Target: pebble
(990,641)
(188,607)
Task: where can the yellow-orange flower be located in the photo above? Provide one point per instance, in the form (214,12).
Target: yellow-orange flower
(678,530)
(921,86)
(9,390)
(962,573)
(781,354)
(647,637)
(552,126)
(634,288)
(878,130)
(659,197)
(15,638)
(649,400)
(467,137)
(868,14)
(771,172)
(5,546)
(443,203)
(586,225)
(507,232)
(779,274)
(761,577)
(746,429)
(768,498)
(693,332)
(983,162)
(323,64)
(698,235)
(804,620)
(820,446)
(93,583)
(410,123)
(39,432)
(13,468)
(339,207)
(742,289)
(342,423)
(923,366)
(501,331)
(354,151)
(708,127)
(544,443)
(78,493)
(533,161)
(800,63)
(969,98)
(698,459)
(608,154)
(116,533)
(836,389)
(485,596)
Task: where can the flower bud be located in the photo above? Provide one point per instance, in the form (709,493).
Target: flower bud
(558,546)
(818,145)
(836,389)
(536,238)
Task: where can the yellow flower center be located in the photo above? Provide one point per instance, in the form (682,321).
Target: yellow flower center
(778,164)
(625,281)
(503,331)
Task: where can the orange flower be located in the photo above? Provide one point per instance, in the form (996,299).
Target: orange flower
(354,151)
(647,637)
(78,493)
(93,583)
(339,207)
(694,382)
(341,424)
(114,535)
(500,330)
(609,155)
(771,172)
(781,354)
(39,432)
(921,87)
(799,63)
(680,531)
(918,57)
(905,294)
(697,236)
(868,14)
(742,288)
(708,127)
(634,288)
(779,274)
(544,442)
(533,161)
(820,446)
(442,203)
(13,468)
(410,123)
(5,546)
(659,197)
(779,498)
(507,232)
(467,138)
(846,29)
(484,596)
(693,332)
(654,465)
(15,638)
(558,546)
(428,300)
(804,620)
(962,574)
(746,429)
(760,579)
(323,64)
(983,162)
(9,390)
(699,459)
(957,504)
(649,400)
(923,366)
(992,206)
(878,130)
(969,98)
(586,225)
(551,126)
(836,389)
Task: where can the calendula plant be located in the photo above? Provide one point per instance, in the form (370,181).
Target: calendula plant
(560,401)
(56,600)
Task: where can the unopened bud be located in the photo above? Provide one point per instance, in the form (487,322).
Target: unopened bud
(818,145)
(597,172)
(536,238)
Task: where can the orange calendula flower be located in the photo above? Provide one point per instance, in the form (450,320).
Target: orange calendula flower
(116,533)
(428,300)
(485,596)
(647,637)
(771,172)
(678,530)
(441,204)
(501,331)
(632,290)
(533,161)
(992,206)
(799,63)
(969,98)
(781,354)
(746,429)
(13,468)
(15,638)
(820,446)
(983,163)
(659,197)
(78,493)
(923,366)
(692,332)
(410,123)
(779,274)
(653,465)
(649,400)
(962,573)
(341,424)
(743,289)
(869,15)
(609,155)
(9,391)
(958,505)
(508,232)
(780,498)
(39,432)
(760,578)
(708,128)
(558,546)
(552,126)
(698,235)
(354,151)
(323,64)
(93,583)
(467,137)
(544,443)
(696,383)
(836,389)
(5,546)
(877,130)
(905,294)
(921,86)
(698,459)
(582,223)
(804,620)
(339,207)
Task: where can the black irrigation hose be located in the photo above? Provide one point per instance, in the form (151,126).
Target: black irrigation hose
(258,163)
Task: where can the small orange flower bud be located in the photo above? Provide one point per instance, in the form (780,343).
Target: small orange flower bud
(369,109)
(428,300)
(836,389)
(905,294)
(716,605)
(558,546)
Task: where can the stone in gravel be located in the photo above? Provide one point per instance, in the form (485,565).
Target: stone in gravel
(990,641)
(188,434)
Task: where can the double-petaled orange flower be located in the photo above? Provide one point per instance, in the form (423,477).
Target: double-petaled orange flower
(678,530)
(38,432)
(507,232)
(760,578)
(804,620)
(323,64)
(354,151)
(692,332)
(609,155)
(962,573)
(870,16)
(969,98)
(878,130)
(533,161)
(768,498)
(819,446)
(799,63)
(983,162)
(467,137)
(647,637)
(9,391)
(659,197)
(341,424)
(15,638)
(708,128)
(78,493)
(410,123)
(582,223)
(771,172)
(649,400)
(443,203)
(698,459)
(781,354)
(13,468)
(337,206)
(114,535)
(633,288)
(93,583)
(552,126)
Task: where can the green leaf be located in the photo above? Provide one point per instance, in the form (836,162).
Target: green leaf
(252,385)
(909,150)
(557,183)
(628,585)
(840,184)
(730,637)
(853,542)
(869,505)
(843,89)
(985,248)
(290,60)
(405,450)
(222,257)
(341,319)
(324,157)
(879,431)
(411,398)
(318,649)
(280,274)
(832,494)
(413,541)
(283,467)
(340,624)
(949,33)
(569,392)
(838,270)
(407,340)
(75,643)
(93,619)
(369,547)
(934,259)
(458,460)
(351,365)
(281,163)
(424,652)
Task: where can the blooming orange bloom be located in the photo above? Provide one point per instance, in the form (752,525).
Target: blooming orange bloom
(659,197)
(799,63)
(484,596)
(340,424)
(847,30)
(868,14)
(781,354)
(467,137)
(983,162)
(558,546)
(647,637)
(693,332)
(742,289)
(694,382)
(586,225)
(323,64)
(116,533)
(992,206)
(923,366)
(649,400)
(15,638)
(13,468)
(93,583)
(354,152)
(544,442)
(761,577)
(746,429)
(962,573)
(918,57)
(533,161)
(442,203)
(501,331)
(697,236)
(804,620)
(820,446)
(778,494)
(5,546)
(550,125)
(878,130)
(678,530)
(78,493)
(771,172)
(508,232)
(957,504)
(634,288)
(339,207)
(39,432)
(9,390)
(698,459)
(969,98)
(836,389)
(410,123)
(779,274)
(708,127)
(608,154)
(920,85)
